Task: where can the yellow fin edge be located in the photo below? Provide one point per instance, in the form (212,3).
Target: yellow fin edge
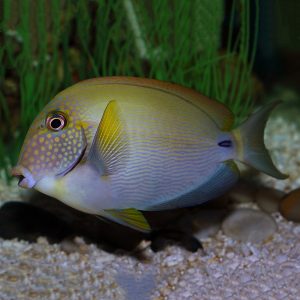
(129,217)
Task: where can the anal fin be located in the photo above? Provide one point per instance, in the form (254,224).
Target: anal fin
(129,217)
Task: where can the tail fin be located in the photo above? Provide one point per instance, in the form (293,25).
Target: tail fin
(250,143)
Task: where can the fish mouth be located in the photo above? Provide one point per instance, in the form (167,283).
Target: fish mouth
(26,179)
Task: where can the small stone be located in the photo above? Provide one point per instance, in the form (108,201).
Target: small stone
(172,260)
(69,245)
(289,206)
(268,199)
(249,225)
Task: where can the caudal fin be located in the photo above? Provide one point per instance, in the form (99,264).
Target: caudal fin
(250,143)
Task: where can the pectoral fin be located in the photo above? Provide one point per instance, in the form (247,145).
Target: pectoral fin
(129,217)
(109,148)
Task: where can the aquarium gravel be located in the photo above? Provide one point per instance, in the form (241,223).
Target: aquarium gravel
(225,269)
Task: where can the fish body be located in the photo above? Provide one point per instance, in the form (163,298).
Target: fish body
(112,146)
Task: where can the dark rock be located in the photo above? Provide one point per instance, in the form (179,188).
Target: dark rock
(290,206)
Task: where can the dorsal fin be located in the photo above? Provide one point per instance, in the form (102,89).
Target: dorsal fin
(109,148)
(220,113)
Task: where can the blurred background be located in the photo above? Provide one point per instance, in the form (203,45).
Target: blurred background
(240,52)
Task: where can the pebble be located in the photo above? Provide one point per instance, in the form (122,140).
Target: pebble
(290,206)
(268,199)
(69,246)
(296,230)
(173,260)
(249,225)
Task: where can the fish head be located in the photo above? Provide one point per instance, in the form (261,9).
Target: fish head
(54,145)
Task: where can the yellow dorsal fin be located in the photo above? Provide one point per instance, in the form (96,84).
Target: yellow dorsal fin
(221,114)
(110,149)
(129,217)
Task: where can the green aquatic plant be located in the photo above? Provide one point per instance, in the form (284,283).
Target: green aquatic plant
(186,50)
(48,45)
(27,60)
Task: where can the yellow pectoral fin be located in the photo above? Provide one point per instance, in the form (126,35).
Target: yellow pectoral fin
(129,217)
(109,149)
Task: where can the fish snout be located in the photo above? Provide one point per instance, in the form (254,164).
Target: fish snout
(26,179)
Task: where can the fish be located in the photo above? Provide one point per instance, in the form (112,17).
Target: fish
(115,147)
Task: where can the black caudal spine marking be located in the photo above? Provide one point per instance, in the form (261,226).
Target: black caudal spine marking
(225,143)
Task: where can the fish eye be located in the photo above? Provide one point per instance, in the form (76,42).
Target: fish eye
(56,122)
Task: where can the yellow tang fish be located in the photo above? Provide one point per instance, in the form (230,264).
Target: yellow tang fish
(115,145)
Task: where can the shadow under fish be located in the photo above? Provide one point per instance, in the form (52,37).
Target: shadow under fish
(44,216)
